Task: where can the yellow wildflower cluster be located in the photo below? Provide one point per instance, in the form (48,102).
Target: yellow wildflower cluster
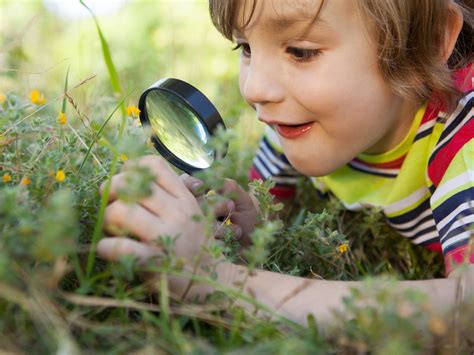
(6,178)
(62,119)
(3,98)
(343,248)
(25,181)
(60,175)
(37,97)
(133,111)
(123,157)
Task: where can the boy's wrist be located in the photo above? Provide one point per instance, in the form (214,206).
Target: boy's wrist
(226,272)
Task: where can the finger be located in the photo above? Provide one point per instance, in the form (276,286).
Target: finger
(115,247)
(224,208)
(221,229)
(118,182)
(133,218)
(159,202)
(156,202)
(165,176)
(193,184)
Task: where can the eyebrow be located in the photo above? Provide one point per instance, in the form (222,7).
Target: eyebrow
(282,24)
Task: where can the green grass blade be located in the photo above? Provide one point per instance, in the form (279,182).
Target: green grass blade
(98,133)
(63,107)
(113,74)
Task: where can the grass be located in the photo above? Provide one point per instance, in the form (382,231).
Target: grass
(55,296)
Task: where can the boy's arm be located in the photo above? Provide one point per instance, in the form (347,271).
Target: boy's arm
(296,298)
(171,210)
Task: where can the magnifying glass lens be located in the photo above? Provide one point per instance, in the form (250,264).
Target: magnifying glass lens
(179,129)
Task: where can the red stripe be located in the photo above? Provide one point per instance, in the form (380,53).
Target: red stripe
(394,164)
(254,174)
(463,78)
(283,192)
(436,247)
(462,81)
(431,113)
(443,158)
(459,256)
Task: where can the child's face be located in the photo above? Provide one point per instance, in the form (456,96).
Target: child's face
(326,78)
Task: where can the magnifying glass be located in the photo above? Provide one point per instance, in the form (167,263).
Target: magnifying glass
(182,122)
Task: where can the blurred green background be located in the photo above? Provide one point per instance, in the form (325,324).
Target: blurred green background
(148,39)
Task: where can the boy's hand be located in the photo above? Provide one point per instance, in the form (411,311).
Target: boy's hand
(170,210)
(240,207)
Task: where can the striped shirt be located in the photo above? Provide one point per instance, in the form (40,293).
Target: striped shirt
(425,185)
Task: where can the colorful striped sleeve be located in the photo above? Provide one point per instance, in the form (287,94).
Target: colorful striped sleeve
(451,171)
(270,163)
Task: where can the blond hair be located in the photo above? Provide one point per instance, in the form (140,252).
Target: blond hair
(409,36)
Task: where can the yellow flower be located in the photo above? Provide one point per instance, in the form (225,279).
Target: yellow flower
(37,97)
(3,98)
(227,221)
(60,175)
(133,111)
(62,118)
(342,249)
(437,326)
(25,181)
(149,143)
(123,157)
(6,178)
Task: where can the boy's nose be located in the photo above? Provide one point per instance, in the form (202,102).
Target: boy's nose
(259,84)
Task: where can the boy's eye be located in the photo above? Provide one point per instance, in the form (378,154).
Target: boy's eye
(244,47)
(299,54)
(303,54)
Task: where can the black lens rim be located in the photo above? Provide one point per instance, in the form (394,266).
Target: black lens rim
(196,102)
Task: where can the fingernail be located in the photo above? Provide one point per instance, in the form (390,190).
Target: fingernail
(238,232)
(196,185)
(230,205)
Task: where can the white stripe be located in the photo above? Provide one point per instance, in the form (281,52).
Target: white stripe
(407,201)
(427,224)
(426,126)
(448,186)
(425,237)
(285,180)
(461,104)
(458,210)
(412,222)
(270,166)
(458,238)
(452,117)
(355,206)
(266,174)
(375,170)
(455,130)
(276,160)
(459,223)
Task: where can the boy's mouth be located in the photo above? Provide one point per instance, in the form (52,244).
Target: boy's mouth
(293,131)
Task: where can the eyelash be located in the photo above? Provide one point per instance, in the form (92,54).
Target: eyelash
(299,54)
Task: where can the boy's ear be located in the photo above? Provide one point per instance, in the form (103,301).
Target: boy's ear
(454,25)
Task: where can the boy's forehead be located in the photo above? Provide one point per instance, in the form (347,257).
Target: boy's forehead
(278,15)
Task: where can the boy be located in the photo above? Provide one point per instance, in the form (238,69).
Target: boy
(354,93)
